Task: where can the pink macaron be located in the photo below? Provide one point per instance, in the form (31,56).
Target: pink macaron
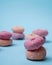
(30,36)
(34,43)
(5,35)
(41,32)
(17,36)
(18,29)
(38,54)
(5,42)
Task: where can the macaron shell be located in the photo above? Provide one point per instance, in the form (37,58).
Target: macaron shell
(5,42)
(16,36)
(38,54)
(18,29)
(5,35)
(30,36)
(41,32)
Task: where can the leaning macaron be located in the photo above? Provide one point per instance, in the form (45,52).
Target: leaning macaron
(41,32)
(5,42)
(35,36)
(18,29)
(30,36)
(38,54)
(17,36)
(34,43)
(5,35)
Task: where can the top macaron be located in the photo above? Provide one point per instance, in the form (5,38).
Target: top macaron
(5,35)
(18,29)
(41,32)
(34,43)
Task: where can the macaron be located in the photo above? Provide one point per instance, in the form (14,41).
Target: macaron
(38,54)
(30,36)
(17,36)
(5,42)
(34,43)
(18,29)
(5,35)
(41,32)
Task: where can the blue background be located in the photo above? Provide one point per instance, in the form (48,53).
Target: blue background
(31,14)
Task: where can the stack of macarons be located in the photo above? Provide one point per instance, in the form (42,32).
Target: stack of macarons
(5,38)
(17,33)
(34,45)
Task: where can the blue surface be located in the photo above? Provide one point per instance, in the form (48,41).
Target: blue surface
(31,14)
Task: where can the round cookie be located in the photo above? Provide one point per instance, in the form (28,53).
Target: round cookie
(5,35)
(34,43)
(18,29)
(5,42)
(17,36)
(38,54)
(41,32)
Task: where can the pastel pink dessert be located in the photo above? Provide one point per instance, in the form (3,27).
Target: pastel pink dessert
(18,29)
(17,36)
(5,35)
(5,42)
(34,43)
(41,32)
(30,36)
(38,54)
